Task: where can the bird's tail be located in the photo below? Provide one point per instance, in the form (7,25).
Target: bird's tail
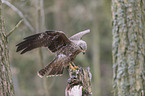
(52,69)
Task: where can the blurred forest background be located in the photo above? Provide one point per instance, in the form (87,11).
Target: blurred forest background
(70,16)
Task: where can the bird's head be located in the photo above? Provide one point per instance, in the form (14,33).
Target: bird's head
(83,45)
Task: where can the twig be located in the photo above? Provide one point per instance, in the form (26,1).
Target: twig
(14,28)
(42,14)
(20,14)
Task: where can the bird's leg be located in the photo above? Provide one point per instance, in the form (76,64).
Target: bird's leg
(73,66)
(76,67)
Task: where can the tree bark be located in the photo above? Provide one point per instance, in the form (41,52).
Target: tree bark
(79,83)
(128,48)
(6,84)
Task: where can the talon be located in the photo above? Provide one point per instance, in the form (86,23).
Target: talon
(73,67)
(76,67)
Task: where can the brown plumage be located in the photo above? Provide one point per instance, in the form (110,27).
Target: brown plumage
(56,41)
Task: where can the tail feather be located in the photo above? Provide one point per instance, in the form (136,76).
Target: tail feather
(52,69)
(41,73)
(55,67)
(60,71)
(56,71)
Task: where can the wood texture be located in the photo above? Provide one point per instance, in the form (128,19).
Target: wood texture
(128,48)
(79,83)
(6,83)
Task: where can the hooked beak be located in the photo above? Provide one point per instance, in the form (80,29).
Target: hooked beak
(83,52)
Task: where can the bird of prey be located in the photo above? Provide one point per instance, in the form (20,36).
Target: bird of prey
(66,49)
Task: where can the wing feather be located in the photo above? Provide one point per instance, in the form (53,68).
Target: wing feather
(54,40)
(79,35)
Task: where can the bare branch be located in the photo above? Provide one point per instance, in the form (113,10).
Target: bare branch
(14,28)
(20,14)
(42,14)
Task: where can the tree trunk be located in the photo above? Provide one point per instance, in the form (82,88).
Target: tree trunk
(6,84)
(96,49)
(128,48)
(40,27)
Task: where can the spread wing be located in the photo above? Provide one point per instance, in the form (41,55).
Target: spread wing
(79,35)
(54,40)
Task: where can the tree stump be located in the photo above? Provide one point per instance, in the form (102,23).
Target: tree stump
(79,83)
